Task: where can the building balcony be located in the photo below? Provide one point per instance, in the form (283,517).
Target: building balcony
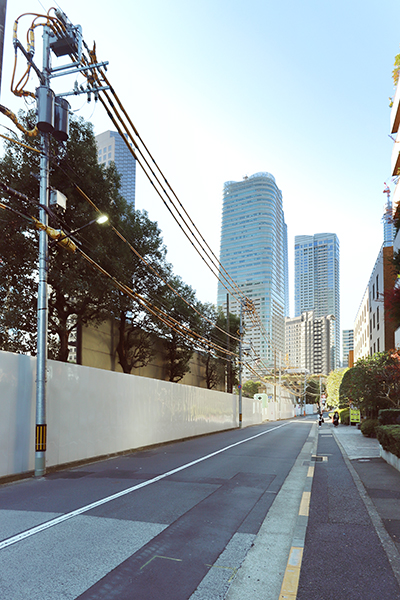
(395,112)
(396,156)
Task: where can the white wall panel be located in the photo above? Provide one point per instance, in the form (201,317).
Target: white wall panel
(93,412)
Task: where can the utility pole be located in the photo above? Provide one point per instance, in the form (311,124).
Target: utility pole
(240,362)
(280,383)
(63,39)
(228,346)
(42,308)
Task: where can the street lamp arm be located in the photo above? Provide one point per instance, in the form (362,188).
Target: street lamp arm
(57,235)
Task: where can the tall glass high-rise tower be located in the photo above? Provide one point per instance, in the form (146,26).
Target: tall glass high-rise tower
(317,284)
(254,253)
(111,147)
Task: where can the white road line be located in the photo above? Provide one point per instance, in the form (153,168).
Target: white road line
(79,511)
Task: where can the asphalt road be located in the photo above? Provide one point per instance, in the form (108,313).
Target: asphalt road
(174,522)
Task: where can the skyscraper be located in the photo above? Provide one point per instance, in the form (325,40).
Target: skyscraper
(254,253)
(317,285)
(308,342)
(348,345)
(111,147)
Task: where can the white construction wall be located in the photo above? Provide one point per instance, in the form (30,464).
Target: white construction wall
(93,412)
(278,405)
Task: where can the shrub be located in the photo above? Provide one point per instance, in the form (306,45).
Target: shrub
(344,415)
(389,416)
(389,438)
(368,427)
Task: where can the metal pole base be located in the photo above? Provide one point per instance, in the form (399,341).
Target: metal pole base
(40,464)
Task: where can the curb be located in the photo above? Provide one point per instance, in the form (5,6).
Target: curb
(279,544)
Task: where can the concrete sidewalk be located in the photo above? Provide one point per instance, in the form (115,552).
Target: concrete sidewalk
(354,443)
(379,487)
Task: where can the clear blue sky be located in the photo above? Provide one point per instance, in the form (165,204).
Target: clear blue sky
(219,89)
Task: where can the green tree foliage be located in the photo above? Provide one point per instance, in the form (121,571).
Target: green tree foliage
(178,348)
(396,69)
(373,383)
(333,385)
(313,392)
(213,329)
(250,388)
(78,294)
(392,296)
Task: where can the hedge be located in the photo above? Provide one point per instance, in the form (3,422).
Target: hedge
(389,438)
(389,416)
(344,414)
(368,427)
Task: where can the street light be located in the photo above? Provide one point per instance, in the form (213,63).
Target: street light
(58,236)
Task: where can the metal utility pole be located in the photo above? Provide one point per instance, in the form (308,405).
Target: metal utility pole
(240,363)
(42,309)
(280,383)
(228,347)
(65,39)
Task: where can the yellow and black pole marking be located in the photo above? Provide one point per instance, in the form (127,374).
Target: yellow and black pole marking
(41,433)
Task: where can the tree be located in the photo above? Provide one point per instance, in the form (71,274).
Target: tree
(373,383)
(333,385)
(313,392)
(250,388)
(214,328)
(136,325)
(396,69)
(78,293)
(178,340)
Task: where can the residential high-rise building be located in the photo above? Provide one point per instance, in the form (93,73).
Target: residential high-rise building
(348,345)
(317,285)
(309,342)
(111,147)
(254,253)
(361,329)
